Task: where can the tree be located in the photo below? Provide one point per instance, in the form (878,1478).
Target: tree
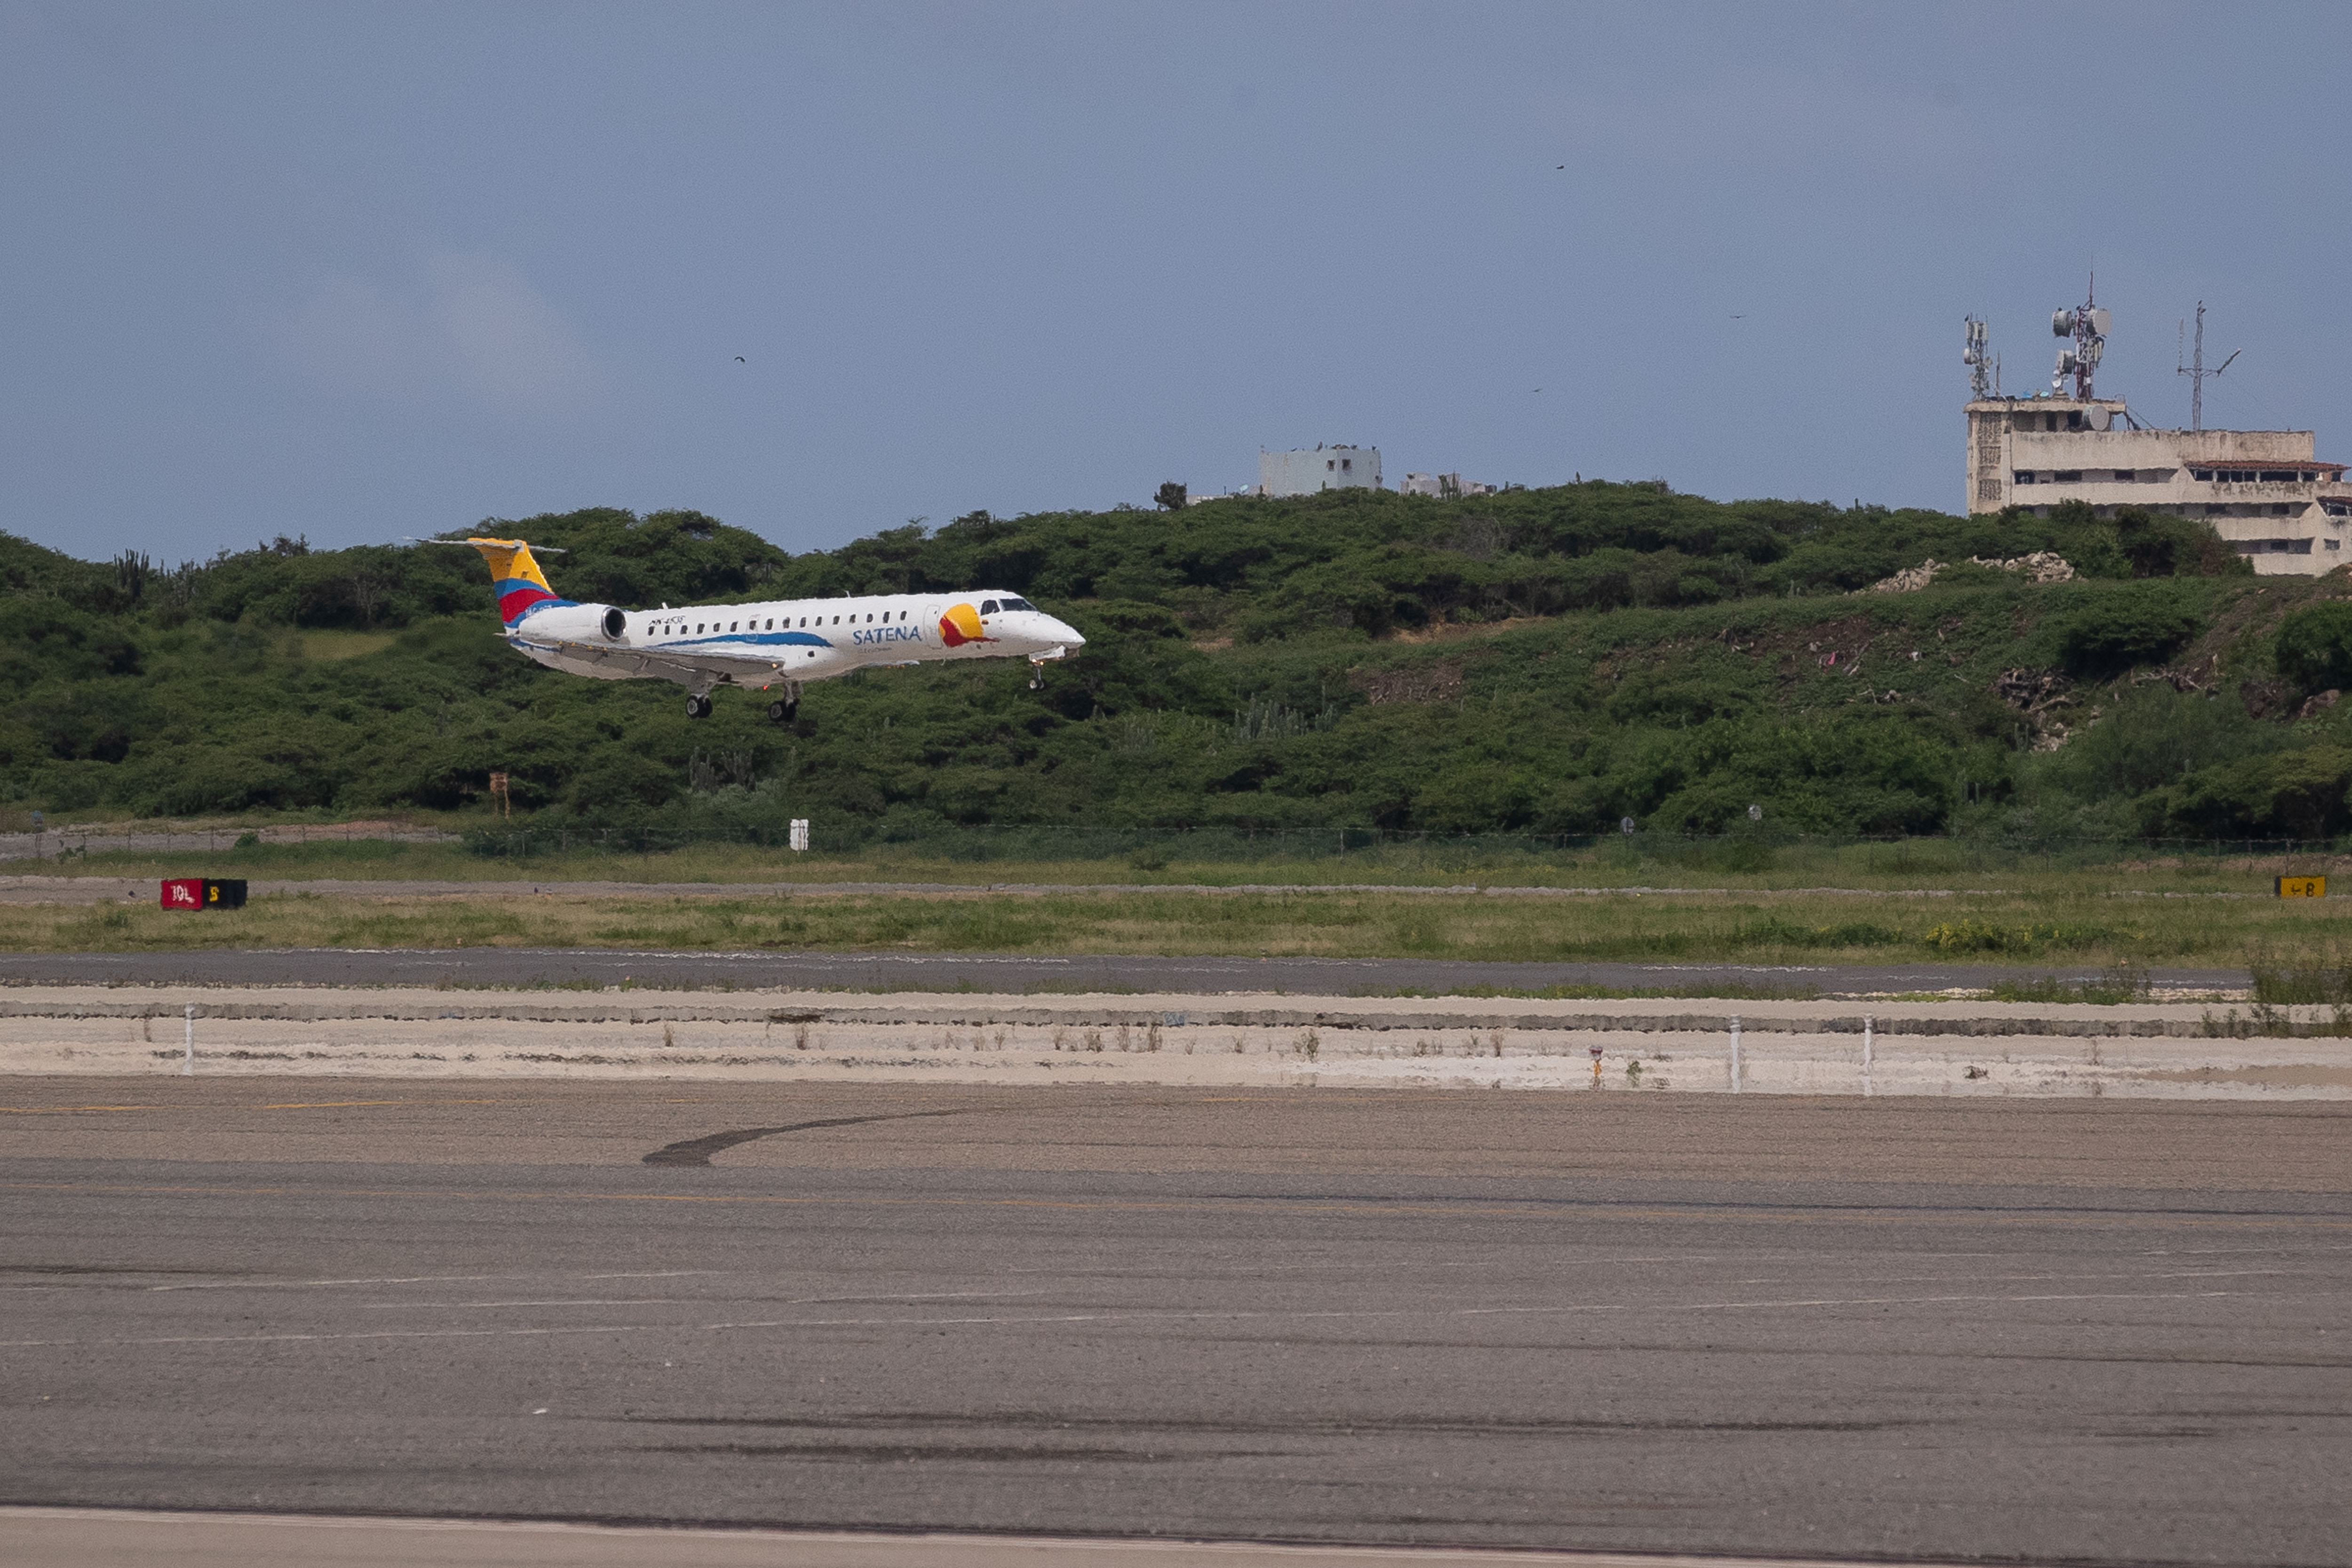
(1171,497)
(2314,646)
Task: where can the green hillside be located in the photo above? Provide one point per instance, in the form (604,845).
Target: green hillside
(1545,660)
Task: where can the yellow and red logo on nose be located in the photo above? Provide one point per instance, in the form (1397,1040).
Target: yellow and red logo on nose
(961,625)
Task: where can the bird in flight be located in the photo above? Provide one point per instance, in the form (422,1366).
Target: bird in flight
(740,360)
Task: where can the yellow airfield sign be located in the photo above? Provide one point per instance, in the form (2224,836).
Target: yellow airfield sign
(2303,887)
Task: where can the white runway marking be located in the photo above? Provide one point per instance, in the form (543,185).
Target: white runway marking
(1127,1317)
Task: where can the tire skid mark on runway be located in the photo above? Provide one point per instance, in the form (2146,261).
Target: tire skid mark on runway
(1582,1208)
(698,1151)
(1162,1318)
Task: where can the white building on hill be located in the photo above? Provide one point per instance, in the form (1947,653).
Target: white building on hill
(1302,473)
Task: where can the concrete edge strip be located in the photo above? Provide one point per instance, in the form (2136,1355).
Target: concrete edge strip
(1024,1011)
(269,1539)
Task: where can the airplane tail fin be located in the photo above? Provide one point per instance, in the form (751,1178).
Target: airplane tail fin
(520,585)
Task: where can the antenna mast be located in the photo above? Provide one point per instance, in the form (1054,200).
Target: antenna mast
(2197,373)
(2088,325)
(1977,360)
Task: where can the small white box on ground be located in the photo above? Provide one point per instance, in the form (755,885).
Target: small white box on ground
(800,833)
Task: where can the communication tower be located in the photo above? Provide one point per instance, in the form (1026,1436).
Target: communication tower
(1979,359)
(2197,373)
(2088,325)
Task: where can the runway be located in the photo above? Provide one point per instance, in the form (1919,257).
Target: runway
(2081,1329)
(1013,974)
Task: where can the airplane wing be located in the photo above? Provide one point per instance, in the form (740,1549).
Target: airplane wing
(633,664)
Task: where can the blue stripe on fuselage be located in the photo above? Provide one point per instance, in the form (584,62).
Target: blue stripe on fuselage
(757,639)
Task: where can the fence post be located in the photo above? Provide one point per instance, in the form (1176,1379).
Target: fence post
(1734,1053)
(1865,1052)
(188,1061)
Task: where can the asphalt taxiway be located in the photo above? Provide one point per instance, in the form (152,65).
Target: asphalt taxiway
(2082,1331)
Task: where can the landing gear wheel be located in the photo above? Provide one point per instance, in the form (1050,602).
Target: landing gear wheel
(782,712)
(697,706)
(1037,679)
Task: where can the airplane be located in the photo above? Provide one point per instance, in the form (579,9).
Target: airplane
(780,643)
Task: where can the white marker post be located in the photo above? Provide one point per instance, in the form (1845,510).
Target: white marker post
(1734,1053)
(1865,1052)
(188,1062)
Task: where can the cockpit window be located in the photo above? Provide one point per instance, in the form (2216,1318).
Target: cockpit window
(988,607)
(1019,604)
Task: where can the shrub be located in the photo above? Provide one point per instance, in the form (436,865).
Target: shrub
(2121,629)
(2299,795)
(2314,646)
(2156,736)
(2159,546)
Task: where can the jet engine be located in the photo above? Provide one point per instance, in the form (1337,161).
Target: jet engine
(599,626)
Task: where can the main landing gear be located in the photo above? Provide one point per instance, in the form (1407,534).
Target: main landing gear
(698,705)
(784,713)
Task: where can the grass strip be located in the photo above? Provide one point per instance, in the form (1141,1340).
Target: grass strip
(2080,928)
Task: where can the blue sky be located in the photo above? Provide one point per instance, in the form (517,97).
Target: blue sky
(365,271)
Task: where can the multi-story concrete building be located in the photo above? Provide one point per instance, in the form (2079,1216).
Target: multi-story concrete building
(2264,491)
(1302,473)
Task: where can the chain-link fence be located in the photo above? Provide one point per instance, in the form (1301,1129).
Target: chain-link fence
(1747,850)
(81,840)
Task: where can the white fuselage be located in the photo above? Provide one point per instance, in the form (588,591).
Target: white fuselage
(786,642)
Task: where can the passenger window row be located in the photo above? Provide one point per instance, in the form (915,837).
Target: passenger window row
(988,609)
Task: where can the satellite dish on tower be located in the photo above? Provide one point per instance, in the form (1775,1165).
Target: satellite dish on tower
(2088,325)
(2097,418)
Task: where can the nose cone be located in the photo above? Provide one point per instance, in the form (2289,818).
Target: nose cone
(1063,633)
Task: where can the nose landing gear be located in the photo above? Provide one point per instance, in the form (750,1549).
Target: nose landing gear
(1037,665)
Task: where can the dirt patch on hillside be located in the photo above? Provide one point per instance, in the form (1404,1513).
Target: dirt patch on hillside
(1439,682)
(1447,631)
